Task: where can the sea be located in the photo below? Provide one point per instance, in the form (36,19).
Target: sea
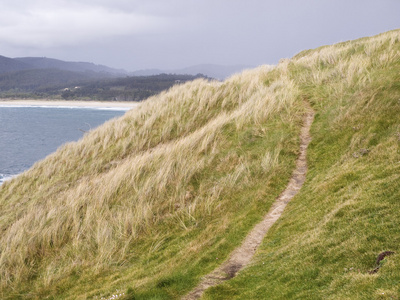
(29,134)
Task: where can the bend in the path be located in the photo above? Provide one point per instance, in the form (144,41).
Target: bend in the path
(242,255)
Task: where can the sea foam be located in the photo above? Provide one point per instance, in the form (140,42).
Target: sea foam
(4,178)
(69,107)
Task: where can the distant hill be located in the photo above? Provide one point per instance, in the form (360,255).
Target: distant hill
(55,84)
(51,63)
(42,77)
(11,65)
(215,71)
(33,79)
(33,63)
(130,88)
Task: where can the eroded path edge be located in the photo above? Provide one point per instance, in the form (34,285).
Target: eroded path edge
(242,255)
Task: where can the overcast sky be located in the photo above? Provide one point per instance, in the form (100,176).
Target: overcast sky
(168,34)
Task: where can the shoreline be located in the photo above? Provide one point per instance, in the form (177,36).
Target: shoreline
(4,178)
(66,103)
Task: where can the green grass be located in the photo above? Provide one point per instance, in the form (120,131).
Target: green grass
(348,210)
(148,203)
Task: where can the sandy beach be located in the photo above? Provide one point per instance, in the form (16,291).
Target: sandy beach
(71,103)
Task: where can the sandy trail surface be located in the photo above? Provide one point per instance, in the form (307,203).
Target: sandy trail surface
(242,255)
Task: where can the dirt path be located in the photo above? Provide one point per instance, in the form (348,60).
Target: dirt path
(242,255)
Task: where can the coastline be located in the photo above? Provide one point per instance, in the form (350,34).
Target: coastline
(4,178)
(93,105)
(70,103)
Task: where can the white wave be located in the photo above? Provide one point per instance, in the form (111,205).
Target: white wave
(4,178)
(70,107)
(113,108)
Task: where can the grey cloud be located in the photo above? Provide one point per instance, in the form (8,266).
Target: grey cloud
(62,23)
(135,34)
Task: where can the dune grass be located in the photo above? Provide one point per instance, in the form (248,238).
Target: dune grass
(148,203)
(172,185)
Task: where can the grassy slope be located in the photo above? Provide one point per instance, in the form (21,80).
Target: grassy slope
(150,202)
(348,210)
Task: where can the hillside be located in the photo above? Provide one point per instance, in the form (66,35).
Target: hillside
(10,65)
(147,204)
(41,77)
(47,78)
(68,85)
(51,63)
(27,82)
(136,88)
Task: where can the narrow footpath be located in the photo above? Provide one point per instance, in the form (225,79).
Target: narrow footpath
(242,255)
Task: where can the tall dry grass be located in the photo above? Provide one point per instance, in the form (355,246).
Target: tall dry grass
(85,205)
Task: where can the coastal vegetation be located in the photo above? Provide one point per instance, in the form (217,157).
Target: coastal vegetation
(67,85)
(145,205)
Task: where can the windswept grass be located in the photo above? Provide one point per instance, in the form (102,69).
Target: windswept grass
(174,184)
(148,203)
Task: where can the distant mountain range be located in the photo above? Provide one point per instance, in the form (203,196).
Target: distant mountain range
(41,77)
(8,65)
(47,78)
(20,77)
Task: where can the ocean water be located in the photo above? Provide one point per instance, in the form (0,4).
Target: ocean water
(29,134)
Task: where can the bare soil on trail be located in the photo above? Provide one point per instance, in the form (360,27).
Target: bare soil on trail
(242,255)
